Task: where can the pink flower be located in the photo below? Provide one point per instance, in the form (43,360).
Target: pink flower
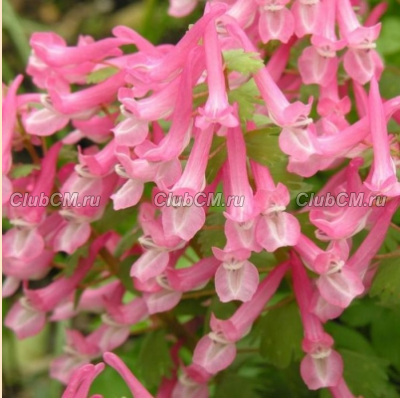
(186,220)
(361,61)
(318,64)
(322,366)
(276,21)
(217,108)
(275,228)
(236,278)
(382,177)
(307,17)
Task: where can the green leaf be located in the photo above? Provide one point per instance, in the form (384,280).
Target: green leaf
(23,170)
(73,260)
(124,270)
(247,97)
(366,375)
(101,74)
(348,338)
(284,383)
(386,283)
(281,335)
(110,384)
(207,238)
(15,28)
(263,146)
(389,38)
(385,335)
(127,242)
(243,62)
(154,358)
(361,313)
(389,83)
(237,386)
(294,182)
(218,156)
(120,221)
(391,242)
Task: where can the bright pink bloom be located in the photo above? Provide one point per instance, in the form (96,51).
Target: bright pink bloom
(186,220)
(217,108)
(236,278)
(181,8)
(240,323)
(241,220)
(133,383)
(276,21)
(24,241)
(322,366)
(81,381)
(318,64)
(9,110)
(338,284)
(361,61)
(275,228)
(52,50)
(27,316)
(307,17)
(382,177)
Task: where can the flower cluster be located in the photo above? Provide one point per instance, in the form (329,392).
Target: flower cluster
(183,119)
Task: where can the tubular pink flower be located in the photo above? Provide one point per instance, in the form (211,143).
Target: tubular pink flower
(361,61)
(81,381)
(322,366)
(195,276)
(181,8)
(24,241)
(307,17)
(241,321)
(182,220)
(179,134)
(276,22)
(236,278)
(175,59)
(382,177)
(238,178)
(360,260)
(318,64)
(275,228)
(52,49)
(89,98)
(133,383)
(217,108)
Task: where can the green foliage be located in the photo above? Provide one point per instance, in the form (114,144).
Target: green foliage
(281,335)
(218,157)
(243,62)
(73,260)
(366,375)
(154,358)
(23,170)
(263,146)
(236,386)
(247,97)
(386,283)
(214,236)
(285,383)
(100,75)
(385,335)
(110,384)
(127,242)
(120,221)
(124,270)
(389,39)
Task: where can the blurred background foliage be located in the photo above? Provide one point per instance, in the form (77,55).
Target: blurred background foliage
(367,334)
